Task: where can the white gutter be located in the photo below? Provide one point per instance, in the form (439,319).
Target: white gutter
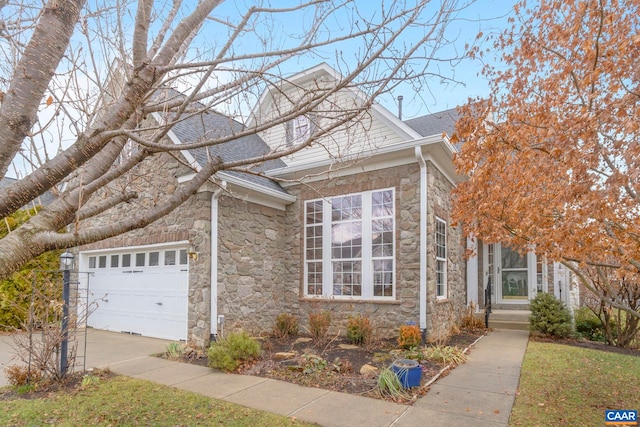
(423,239)
(214,259)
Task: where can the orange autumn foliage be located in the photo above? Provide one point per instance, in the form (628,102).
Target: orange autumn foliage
(553,156)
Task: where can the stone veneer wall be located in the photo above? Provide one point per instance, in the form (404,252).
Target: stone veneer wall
(444,314)
(386,316)
(191,221)
(253,282)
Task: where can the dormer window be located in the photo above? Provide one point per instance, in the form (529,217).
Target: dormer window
(299,130)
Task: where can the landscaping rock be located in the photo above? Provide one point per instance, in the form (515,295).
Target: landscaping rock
(285,355)
(348,346)
(302,340)
(369,370)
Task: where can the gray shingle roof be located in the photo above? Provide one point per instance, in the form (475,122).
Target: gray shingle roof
(435,124)
(209,125)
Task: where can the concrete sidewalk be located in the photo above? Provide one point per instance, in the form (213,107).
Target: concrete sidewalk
(479,393)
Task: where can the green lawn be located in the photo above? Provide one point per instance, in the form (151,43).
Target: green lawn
(122,401)
(565,385)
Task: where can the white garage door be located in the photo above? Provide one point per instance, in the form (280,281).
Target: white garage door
(142,291)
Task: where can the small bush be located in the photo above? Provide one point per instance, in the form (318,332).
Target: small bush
(359,329)
(470,321)
(589,325)
(410,336)
(319,323)
(228,353)
(174,351)
(550,317)
(286,326)
(19,375)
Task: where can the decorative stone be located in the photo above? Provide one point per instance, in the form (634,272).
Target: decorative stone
(302,340)
(368,370)
(285,355)
(348,347)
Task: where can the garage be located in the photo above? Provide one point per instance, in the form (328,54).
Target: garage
(139,290)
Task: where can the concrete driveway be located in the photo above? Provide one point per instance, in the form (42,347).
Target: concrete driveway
(103,349)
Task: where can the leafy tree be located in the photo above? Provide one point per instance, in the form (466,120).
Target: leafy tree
(17,289)
(553,156)
(86,72)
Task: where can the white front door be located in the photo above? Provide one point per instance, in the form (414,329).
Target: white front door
(510,274)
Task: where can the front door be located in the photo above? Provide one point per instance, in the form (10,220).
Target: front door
(510,274)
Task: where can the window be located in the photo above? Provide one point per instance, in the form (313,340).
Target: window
(350,246)
(183,257)
(102,261)
(126,260)
(140,258)
(154,259)
(114,261)
(300,129)
(92,262)
(169,257)
(441,258)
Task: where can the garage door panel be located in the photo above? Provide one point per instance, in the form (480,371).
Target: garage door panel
(150,301)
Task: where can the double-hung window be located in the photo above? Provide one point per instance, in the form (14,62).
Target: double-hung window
(441,258)
(300,129)
(350,246)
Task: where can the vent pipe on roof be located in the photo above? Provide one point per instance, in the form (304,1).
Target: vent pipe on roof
(400,107)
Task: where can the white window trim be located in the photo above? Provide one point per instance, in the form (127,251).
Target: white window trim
(367,250)
(445,286)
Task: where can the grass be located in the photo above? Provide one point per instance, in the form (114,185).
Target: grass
(565,385)
(126,401)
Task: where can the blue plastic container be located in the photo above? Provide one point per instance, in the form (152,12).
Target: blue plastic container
(408,371)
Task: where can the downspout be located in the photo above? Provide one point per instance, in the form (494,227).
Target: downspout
(215,319)
(423,241)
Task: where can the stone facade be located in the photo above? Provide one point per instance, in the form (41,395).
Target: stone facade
(189,222)
(260,259)
(253,282)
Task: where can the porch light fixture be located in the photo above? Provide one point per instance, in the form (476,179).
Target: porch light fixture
(191,252)
(66,261)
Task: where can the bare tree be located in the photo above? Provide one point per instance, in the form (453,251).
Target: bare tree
(82,77)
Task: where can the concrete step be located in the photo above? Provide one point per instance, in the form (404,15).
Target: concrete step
(510,319)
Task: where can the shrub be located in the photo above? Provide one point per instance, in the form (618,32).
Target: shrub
(410,336)
(359,329)
(389,385)
(286,326)
(19,375)
(589,325)
(174,351)
(228,353)
(319,323)
(549,316)
(470,320)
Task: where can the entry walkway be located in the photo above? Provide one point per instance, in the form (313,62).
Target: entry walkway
(479,393)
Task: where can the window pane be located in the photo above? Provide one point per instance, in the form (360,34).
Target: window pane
(102,261)
(314,278)
(126,260)
(314,212)
(346,240)
(346,208)
(512,259)
(154,259)
(347,278)
(140,258)
(92,262)
(114,261)
(183,257)
(169,257)
(382,203)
